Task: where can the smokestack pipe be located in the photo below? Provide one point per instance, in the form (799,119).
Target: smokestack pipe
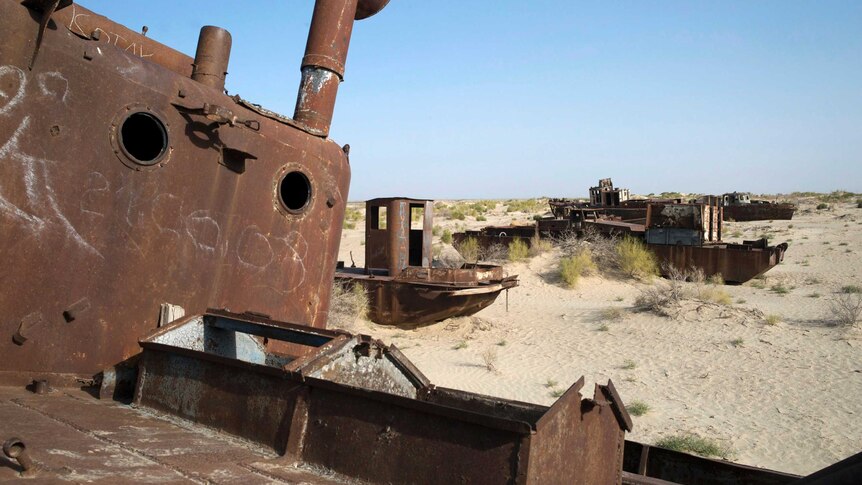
(325,55)
(212,56)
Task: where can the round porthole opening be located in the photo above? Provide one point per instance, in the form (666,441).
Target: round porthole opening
(143,138)
(294,191)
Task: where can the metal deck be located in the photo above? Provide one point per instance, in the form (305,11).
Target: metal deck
(73,437)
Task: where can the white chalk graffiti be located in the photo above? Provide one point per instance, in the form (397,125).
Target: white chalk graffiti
(41,211)
(8,100)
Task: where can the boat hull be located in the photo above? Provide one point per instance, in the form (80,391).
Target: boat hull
(736,263)
(759,212)
(396,301)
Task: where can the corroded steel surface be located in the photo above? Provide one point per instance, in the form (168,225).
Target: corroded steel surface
(358,408)
(759,212)
(125,184)
(676,467)
(736,263)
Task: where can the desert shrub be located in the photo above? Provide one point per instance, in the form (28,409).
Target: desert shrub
(629,364)
(779,289)
(489,357)
(692,443)
(636,259)
(602,248)
(457,214)
(348,302)
(575,266)
(481,218)
(737,342)
(447,236)
(845,309)
(822,206)
(348,224)
(859,203)
(714,294)
(613,313)
(495,252)
(539,246)
(772,319)
(637,408)
(436,230)
(469,249)
(518,250)
(436,251)
(851,289)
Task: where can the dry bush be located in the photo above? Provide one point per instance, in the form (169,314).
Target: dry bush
(602,248)
(636,259)
(539,246)
(667,295)
(489,357)
(348,302)
(469,249)
(495,252)
(518,250)
(577,265)
(845,309)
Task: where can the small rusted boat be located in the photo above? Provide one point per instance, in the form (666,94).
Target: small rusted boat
(402,284)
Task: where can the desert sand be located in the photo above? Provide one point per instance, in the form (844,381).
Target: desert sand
(786,396)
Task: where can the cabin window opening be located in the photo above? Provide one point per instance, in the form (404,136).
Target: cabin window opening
(377,218)
(144,138)
(294,191)
(417,217)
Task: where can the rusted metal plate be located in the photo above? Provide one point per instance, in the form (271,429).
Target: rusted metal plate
(759,212)
(677,467)
(736,263)
(363,411)
(126,184)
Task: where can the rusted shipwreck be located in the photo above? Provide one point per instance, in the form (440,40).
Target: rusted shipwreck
(688,236)
(129,179)
(682,236)
(401,283)
(741,207)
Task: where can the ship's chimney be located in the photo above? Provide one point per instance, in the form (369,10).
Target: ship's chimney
(212,56)
(325,55)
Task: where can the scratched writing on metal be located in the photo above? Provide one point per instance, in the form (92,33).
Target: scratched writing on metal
(109,37)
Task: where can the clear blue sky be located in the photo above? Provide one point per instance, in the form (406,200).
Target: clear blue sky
(504,99)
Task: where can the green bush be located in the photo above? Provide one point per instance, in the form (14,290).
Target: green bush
(518,250)
(573,267)
(692,443)
(636,259)
(637,408)
(447,236)
(469,249)
(822,206)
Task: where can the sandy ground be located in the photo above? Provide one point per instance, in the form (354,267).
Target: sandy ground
(786,397)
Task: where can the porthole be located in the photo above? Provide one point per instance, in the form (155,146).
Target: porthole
(143,138)
(294,191)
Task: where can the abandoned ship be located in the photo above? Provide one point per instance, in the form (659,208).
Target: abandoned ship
(132,183)
(402,285)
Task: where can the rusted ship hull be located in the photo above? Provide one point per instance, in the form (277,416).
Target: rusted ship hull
(736,263)
(120,222)
(759,212)
(396,301)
